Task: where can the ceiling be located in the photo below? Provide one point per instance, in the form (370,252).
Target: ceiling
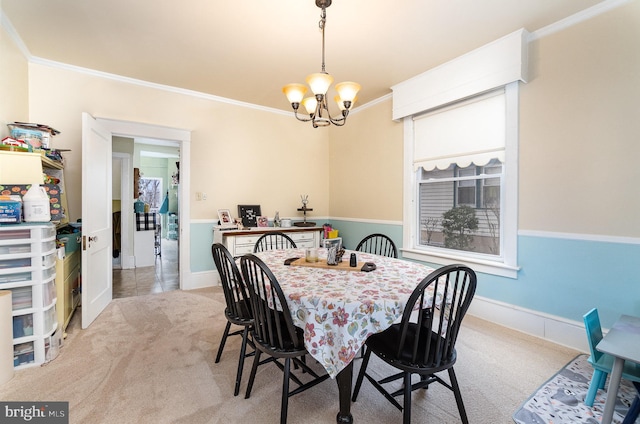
(246,50)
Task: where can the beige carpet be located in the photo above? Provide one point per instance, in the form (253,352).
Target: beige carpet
(150,359)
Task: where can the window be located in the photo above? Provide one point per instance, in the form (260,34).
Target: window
(462,183)
(150,190)
(459,208)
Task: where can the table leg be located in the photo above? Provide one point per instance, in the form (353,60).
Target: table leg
(612,390)
(343,379)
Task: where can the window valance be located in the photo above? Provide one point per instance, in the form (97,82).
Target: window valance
(469,132)
(493,65)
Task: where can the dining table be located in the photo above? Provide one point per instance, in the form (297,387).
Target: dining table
(622,342)
(339,307)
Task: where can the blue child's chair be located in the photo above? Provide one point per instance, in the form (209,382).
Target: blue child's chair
(602,363)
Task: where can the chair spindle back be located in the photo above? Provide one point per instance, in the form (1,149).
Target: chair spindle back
(378,244)
(273,325)
(233,286)
(433,315)
(274,240)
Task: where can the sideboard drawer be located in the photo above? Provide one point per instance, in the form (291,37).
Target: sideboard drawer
(247,240)
(306,243)
(302,238)
(243,249)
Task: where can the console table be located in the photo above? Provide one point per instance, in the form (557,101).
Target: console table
(241,242)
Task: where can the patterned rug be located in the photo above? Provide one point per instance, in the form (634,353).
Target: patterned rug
(561,399)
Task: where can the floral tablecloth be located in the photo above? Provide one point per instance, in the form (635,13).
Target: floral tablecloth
(339,309)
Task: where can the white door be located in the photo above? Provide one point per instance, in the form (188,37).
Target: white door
(96,219)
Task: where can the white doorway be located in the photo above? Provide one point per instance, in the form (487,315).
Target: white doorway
(151,266)
(154,164)
(134,129)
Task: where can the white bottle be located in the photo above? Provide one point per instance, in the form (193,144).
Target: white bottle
(36,205)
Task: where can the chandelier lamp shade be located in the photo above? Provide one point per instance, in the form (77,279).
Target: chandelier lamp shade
(319,82)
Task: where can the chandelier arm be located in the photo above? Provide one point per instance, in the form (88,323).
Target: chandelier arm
(295,112)
(336,121)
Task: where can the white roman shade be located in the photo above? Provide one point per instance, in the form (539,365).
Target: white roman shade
(469,132)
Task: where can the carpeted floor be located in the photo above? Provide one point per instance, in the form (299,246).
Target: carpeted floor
(150,359)
(561,399)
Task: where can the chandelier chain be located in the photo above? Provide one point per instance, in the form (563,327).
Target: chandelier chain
(322,24)
(316,105)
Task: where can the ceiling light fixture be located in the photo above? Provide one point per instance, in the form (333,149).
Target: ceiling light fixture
(320,82)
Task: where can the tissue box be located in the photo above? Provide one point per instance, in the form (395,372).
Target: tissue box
(10,209)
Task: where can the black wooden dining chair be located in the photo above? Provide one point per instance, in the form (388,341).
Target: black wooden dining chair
(423,343)
(274,240)
(273,331)
(237,311)
(378,244)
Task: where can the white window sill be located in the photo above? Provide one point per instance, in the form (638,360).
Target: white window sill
(478,265)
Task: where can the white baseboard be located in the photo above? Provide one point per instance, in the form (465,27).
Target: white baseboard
(199,280)
(548,327)
(128,262)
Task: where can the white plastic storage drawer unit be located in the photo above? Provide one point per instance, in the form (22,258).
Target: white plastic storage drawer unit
(27,269)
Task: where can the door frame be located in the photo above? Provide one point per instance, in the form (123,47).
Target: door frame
(126,204)
(183,138)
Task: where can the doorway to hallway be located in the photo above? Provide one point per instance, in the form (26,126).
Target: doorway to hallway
(151,263)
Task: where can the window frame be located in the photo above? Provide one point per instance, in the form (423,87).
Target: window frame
(503,265)
(458,185)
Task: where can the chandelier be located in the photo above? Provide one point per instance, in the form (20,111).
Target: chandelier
(320,82)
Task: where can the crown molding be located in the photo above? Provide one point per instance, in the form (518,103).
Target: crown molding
(13,34)
(574,19)
(577,18)
(142,83)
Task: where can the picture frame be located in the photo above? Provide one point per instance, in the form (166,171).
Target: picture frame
(249,214)
(263,221)
(224,215)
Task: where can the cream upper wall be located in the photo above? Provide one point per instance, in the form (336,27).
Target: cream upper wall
(578,137)
(580,123)
(14,84)
(366,166)
(578,141)
(238,155)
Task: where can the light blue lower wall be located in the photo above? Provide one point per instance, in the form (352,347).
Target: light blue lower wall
(559,276)
(568,277)
(352,232)
(201,241)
